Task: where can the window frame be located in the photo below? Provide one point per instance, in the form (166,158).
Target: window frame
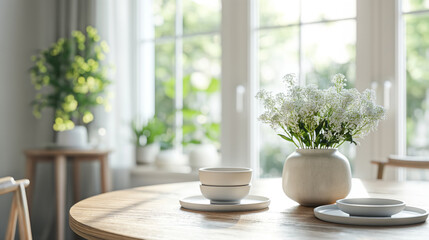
(379,64)
(300,25)
(144,91)
(401,174)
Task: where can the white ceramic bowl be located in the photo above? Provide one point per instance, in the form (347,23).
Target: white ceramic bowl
(225,194)
(370,207)
(225,176)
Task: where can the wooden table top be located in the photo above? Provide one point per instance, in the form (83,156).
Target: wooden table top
(66,152)
(154,212)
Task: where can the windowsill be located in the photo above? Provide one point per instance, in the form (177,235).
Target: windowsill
(144,175)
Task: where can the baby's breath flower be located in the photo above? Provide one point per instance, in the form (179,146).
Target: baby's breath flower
(315,118)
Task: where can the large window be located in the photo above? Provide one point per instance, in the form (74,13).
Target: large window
(178,65)
(179,70)
(313,39)
(416,22)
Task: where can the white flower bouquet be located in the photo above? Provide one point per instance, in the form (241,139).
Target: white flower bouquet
(320,118)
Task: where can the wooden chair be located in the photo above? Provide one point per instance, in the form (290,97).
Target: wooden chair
(19,208)
(401,161)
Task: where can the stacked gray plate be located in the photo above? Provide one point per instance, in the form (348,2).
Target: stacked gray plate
(371,211)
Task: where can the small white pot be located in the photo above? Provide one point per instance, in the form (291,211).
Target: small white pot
(171,159)
(203,155)
(73,138)
(147,154)
(314,177)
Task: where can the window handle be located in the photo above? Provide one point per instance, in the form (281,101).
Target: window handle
(240,90)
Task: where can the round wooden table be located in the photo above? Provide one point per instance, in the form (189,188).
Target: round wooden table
(154,212)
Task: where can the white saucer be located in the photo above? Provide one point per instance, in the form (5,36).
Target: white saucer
(249,203)
(410,215)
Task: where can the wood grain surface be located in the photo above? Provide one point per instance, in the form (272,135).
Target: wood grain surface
(154,212)
(67,152)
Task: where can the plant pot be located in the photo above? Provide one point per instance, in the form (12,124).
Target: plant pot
(73,138)
(172,160)
(147,154)
(314,177)
(203,155)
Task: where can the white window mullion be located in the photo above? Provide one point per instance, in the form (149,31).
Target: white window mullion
(179,74)
(376,67)
(301,76)
(236,88)
(388,132)
(254,86)
(365,77)
(145,68)
(401,90)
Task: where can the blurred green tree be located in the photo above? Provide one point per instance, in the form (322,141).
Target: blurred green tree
(417,75)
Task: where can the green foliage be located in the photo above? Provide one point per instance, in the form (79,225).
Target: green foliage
(201,55)
(197,125)
(74,79)
(272,159)
(167,139)
(417,73)
(148,133)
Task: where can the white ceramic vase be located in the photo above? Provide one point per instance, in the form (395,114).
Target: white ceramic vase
(314,177)
(73,138)
(147,154)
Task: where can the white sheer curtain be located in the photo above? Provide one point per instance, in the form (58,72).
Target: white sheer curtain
(58,18)
(115,25)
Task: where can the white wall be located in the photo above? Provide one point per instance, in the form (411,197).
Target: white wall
(18,29)
(25,27)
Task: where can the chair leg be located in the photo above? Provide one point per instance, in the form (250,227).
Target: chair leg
(60,187)
(24,217)
(10,233)
(76,174)
(105,174)
(30,174)
(380,170)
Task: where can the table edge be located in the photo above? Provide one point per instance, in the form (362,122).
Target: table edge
(78,228)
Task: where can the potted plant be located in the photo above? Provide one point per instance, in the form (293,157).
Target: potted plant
(170,157)
(317,122)
(146,140)
(70,79)
(201,130)
(202,141)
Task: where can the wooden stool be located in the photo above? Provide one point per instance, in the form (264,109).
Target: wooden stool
(59,158)
(401,161)
(19,208)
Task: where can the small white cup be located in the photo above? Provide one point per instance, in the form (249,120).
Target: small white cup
(225,176)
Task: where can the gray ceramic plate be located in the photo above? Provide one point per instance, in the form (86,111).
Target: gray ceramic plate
(370,207)
(410,215)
